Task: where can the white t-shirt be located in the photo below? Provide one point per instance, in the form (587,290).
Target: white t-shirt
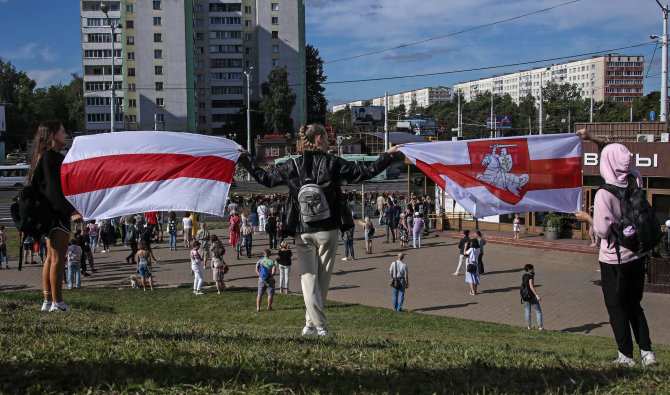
(401,271)
(188,224)
(473,255)
(262,210)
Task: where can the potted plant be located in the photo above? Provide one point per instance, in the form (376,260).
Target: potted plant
(552,224)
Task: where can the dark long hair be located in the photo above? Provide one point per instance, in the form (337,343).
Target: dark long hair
(43,141)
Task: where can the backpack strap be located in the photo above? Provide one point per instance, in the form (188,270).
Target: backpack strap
(618,193)
(297,168)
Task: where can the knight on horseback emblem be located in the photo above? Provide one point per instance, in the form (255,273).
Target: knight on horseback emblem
(498,170)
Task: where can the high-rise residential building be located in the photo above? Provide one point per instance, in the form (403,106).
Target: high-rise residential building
(180,64)
(613,76)
(423,97)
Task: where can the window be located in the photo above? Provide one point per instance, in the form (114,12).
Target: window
(202,119)
(235,90)
(230,63)
(132,103)
(159,117)
(131,87)
(199,36)
(275,34)
(158,70)
(130,40)
(198,22)
(158,37)
(131,55)
(247,36)
(274,6)
(200,64)
(248,50)
(131,71)
(225,34)
(247,22)
(132,118)
(198,8)
(130,24)
(275,62)
(233,20)
(227,103)
(157,5)
(275,48)
(275,20)
(200,50)
(158,53)
(157,21)
(159,86)
(247,10)
(225,7)
(249,63)
(159,101)
(201,105)
(200,78)
(225,48)
(129,8)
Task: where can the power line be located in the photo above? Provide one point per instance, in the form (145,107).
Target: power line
(452,34)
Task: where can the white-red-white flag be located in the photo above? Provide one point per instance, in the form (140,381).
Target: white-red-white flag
(505,175)
(112,174)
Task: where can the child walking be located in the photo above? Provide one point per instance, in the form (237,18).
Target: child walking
(73,258)
(196,267)
(265,269)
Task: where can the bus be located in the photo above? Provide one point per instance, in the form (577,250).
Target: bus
(389,173)
(13,176)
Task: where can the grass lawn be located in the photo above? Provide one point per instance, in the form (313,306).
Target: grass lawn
(169,340)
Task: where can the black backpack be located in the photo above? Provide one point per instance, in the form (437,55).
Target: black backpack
(640,231)
(524,290)
(31,212)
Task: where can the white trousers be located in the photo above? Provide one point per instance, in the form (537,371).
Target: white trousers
(197,274)
(284,272)
(461,260)
(261,223)
(316,259)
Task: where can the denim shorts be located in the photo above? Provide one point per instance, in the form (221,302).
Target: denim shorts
(144,271)
(267,285)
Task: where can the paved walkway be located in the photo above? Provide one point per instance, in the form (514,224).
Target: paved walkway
(566,271)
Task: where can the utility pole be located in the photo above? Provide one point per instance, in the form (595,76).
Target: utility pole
(460,117)
(386,121)
(248,74)
(112,112)
(492,120)
(541,123)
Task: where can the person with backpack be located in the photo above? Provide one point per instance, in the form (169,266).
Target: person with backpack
(629,230)
(348,241)
(529,296)
(73,257)
(316,211)
(398,270)
(265,269)
(45,177)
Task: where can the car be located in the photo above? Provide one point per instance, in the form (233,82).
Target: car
(392,172)
(15,157)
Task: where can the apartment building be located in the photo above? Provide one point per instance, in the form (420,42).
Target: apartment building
(613,76)
(424,97)
(180,64)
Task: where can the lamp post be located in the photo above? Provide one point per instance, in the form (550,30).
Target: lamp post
(105,10)
(664,65)
(541,123)
(248,74)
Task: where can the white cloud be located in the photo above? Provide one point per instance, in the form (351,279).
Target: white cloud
(48,77)
(31,51)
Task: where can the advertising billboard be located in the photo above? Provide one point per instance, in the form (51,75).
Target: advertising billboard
(3,126)
(502,122)
(366,115)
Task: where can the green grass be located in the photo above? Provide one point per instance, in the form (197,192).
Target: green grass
(170,341)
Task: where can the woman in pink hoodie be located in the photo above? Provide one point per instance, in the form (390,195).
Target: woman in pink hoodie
(622,280)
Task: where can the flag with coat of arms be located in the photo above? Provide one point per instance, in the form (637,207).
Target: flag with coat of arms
(505,175)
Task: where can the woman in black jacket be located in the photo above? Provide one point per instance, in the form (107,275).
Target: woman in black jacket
(44,175)
(317,241)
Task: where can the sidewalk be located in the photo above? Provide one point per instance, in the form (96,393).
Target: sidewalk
(566,271)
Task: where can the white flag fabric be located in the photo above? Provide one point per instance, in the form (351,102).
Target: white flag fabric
(113,174)
(505,175)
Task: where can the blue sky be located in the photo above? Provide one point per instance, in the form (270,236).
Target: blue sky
(42,38)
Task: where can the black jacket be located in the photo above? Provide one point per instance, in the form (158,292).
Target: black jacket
(46,179)
(332,170)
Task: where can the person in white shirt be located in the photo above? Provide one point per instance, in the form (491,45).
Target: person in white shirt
(262,216)
(196,267)
(188,224)
(398,270)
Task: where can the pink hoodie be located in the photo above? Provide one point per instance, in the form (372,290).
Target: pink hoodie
(615,165)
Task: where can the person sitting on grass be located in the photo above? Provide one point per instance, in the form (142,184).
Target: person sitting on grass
(143,258)
(265,269)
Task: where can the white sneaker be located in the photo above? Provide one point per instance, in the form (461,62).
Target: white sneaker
(624,360)
(59,307)
(455,273)
(308,331)
(323,333)
(648,358)
(199,293)
(46,305)
(345,259)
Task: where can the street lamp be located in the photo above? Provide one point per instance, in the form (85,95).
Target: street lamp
(105,10)
(248,74)
(664,64)
(541,123)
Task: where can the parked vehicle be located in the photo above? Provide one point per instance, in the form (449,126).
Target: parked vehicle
(14,176)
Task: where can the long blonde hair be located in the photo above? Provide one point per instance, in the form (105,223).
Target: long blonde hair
(308,135)
(43,141)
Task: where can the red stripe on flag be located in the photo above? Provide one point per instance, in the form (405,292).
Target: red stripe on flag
(111,171)
(545,174)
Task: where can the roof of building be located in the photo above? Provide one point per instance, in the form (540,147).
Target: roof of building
(401,137)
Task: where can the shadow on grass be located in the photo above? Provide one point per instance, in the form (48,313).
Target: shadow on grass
(445,307)
(478,376)
(586,328)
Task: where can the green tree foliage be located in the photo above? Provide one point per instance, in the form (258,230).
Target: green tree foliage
(340,120)
(16,94)
(278,101)
(316,101)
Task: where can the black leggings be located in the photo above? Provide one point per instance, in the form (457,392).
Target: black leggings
(622,289)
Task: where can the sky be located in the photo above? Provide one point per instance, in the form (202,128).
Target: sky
(43,38)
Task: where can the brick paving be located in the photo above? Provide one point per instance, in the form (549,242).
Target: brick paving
(566,271)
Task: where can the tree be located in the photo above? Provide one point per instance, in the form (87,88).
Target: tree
(16,94)
(527,110)
(74,97)
(278,101)
(340,120)
(562,102)
(316,101)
